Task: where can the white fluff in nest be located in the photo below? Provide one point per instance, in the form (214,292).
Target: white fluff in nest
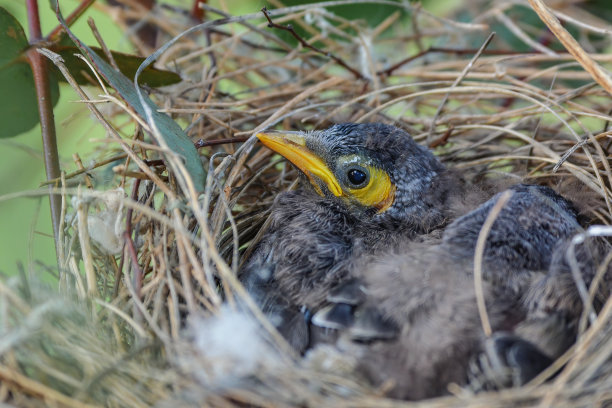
(232,348)
(105,226)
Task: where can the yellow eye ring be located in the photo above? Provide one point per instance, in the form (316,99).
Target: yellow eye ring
(371,188)
(379,192)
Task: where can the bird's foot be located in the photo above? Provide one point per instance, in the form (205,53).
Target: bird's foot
(507,361)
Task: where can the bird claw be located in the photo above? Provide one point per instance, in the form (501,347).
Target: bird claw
(507,361)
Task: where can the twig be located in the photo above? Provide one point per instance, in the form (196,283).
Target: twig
(570,257)
(34,388)
(203,143)
(415,27)
(580,350)
(71,19)
(443,139)
(305,44)
(389,71)
(197,12)
(458,51)
(96,33)
(457,81)
(519,33)
(79,163)
(597,72)
(478,259)
(42,83)
(84,170)
(198,144)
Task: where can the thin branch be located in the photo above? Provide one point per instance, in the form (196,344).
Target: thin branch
(478,259)
(457,51)
(593,68)
(71,19)
(305,44)
(197,12)
(203,143)
(96,33)
(42,84)
(457,81)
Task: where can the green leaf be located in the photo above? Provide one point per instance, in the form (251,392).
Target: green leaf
(18,102)
(18,105)
(13,41)
(128,64)
(170,131)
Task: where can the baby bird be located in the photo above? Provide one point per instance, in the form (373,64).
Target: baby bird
(375,255)
(370,185)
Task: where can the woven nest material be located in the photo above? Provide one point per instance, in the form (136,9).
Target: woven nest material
(115,333)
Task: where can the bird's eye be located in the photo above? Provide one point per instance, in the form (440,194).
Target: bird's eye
(365,183)
(357,177)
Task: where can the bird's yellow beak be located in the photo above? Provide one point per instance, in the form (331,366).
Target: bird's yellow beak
(292,146)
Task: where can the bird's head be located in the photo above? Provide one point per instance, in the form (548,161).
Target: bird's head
(372,168)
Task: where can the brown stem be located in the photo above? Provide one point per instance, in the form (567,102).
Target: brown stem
(203,143)
(389,71)
(443,139)
(247,42)
(197,12)
(45,109)
(464,51)
(74,16)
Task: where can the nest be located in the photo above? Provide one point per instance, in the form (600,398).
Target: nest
(148,264)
